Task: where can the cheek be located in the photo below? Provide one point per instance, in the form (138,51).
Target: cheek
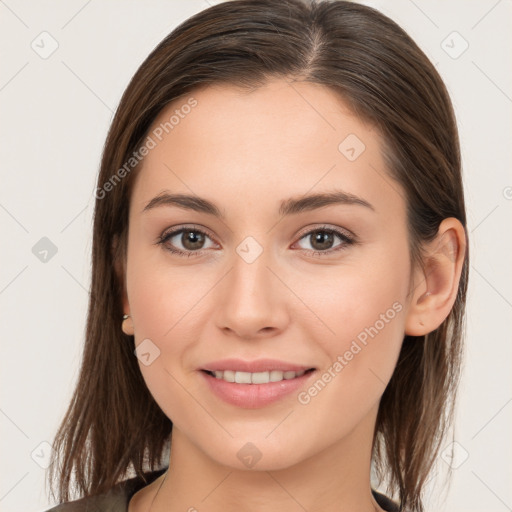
(364,310)
(164,298)
(163,304)
(361,299)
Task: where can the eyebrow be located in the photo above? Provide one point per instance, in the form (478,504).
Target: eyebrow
(287,207)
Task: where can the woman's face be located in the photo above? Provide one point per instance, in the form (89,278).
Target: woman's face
(271,279)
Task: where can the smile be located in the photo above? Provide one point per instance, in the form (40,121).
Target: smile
(241,377)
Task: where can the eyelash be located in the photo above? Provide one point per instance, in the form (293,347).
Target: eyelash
(345,239)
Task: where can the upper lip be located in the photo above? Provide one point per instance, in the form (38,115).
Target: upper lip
(258,365)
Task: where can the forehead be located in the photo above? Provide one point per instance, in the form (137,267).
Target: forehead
(281,139)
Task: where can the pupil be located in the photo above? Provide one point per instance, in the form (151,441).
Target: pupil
(323,238)
(192,240)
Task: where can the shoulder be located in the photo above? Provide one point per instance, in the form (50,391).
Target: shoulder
(385,503)
(114,500)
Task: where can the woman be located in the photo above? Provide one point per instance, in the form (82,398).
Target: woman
(279,271)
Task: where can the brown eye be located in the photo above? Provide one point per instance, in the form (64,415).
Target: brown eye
(185,241)
(323,241)
(192,240)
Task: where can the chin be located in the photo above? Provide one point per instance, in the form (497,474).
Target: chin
(257,456)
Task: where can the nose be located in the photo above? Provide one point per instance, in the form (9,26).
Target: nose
(251,301)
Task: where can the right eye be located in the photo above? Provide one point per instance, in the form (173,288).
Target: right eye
(191,239)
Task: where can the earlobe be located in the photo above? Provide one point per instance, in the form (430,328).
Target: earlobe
(436,284)
(127,325)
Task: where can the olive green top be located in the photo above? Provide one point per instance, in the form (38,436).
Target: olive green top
(117,499)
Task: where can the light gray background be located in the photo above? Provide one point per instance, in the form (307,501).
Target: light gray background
(55,113)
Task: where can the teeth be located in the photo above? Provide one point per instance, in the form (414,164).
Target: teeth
(243,378)
(257,377)
(275,376)
(228,376)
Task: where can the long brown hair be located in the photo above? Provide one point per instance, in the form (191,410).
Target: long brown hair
(113,426)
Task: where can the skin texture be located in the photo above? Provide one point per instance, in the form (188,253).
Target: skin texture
(247,152)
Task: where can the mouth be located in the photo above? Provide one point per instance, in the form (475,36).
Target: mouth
(264,377)
(255,384)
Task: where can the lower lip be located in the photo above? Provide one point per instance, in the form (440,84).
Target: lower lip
(253,396)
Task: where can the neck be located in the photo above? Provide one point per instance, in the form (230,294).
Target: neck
(335,480)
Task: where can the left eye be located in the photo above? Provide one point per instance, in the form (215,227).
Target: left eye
(321,240)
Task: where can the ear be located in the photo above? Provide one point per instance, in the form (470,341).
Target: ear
(119,260)
(120,269)
(436,284)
